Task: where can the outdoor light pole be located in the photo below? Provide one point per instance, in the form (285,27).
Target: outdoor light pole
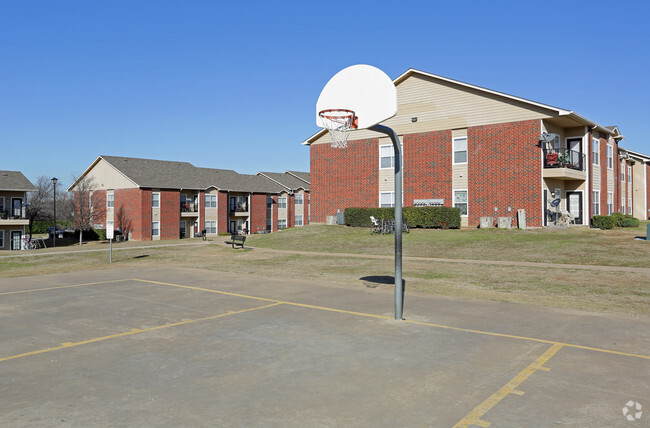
(54,181)
(399,291)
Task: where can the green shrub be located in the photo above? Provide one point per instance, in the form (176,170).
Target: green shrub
(603,221)
(101,234)
(629,221)
(618,219)
(424,217)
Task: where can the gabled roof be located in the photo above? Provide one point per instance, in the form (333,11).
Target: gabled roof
(160,174)
(554,110)
(15,181)
(287,180)
(304,176)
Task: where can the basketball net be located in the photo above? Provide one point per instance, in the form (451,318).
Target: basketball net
(339,123)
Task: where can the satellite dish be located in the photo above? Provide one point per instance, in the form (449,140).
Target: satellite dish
(547,137)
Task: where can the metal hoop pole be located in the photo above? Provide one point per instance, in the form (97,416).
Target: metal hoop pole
(399,291)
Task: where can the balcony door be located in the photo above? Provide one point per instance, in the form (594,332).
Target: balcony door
(575,151)
(16,207)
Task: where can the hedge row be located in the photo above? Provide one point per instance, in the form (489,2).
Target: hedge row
(40,226)
(616,219)
(424,217)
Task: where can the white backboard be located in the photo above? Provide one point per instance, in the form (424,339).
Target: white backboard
(363,89)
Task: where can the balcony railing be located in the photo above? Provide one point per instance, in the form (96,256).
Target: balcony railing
(564,158)
(239,208)
(189,207)
(13,214)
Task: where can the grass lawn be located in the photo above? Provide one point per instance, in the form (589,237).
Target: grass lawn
(561,286)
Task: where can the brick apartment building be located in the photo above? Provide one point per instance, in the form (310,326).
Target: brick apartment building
(483,152)
(13,219)
(172,200)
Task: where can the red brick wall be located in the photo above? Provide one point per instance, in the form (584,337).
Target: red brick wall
(603,175)
(291,210)
(201,210)
(145,203)
(222,212)
(131,200)
(274,223)
(342,178)
(504,169)
(427,166)
(258,213)
(646,215)
(99,208)
(170,215)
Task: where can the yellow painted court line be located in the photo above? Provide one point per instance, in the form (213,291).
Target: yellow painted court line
(131,332)
(265,299)
(363,314)
(62,286)
(474,417)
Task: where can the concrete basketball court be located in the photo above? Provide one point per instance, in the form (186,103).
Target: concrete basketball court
(181,347)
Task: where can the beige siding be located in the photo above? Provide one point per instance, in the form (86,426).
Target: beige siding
(459,176)
(439,105)
(211,213)
(596,176)
(104,176)
(639,194)
(282,212)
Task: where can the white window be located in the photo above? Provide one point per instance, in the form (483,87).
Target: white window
(610,203)
(299,199)
(595,151)
(387,199)
(623,204)
(460,150)
(282,203)
(298,220)
(386,156)
(596,202)
(622,170)
(155,228)
(629,173)
(2,238)
(110,200)
(282,224)
(211,226)
(211,201)
(629,206)
(155,200)
(610,156)
(460,201)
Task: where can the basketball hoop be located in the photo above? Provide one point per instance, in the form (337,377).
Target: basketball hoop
(339,122)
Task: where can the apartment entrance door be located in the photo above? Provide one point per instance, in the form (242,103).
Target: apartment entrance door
(16,237)
(574,203)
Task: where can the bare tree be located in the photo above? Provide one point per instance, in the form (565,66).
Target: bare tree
(39,203)
(85,213)
(123,221)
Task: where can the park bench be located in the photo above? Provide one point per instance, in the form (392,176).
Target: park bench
(237,240)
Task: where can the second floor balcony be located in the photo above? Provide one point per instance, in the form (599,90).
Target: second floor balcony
(564,164)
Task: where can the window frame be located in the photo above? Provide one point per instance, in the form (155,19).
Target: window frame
(284,223)
(210,200)
(466,203)
(295,220)
(210,227)
(629,205)
(454,151)
(623,171)
(110,200)
(299,199)
(595,151)
(595,203)
(610,203)
(282,202)
(392,198)
(155,202)
(157,229)
(391,157)
(610,156)
(629,173)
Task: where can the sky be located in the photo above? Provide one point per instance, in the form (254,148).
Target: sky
(234,85)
